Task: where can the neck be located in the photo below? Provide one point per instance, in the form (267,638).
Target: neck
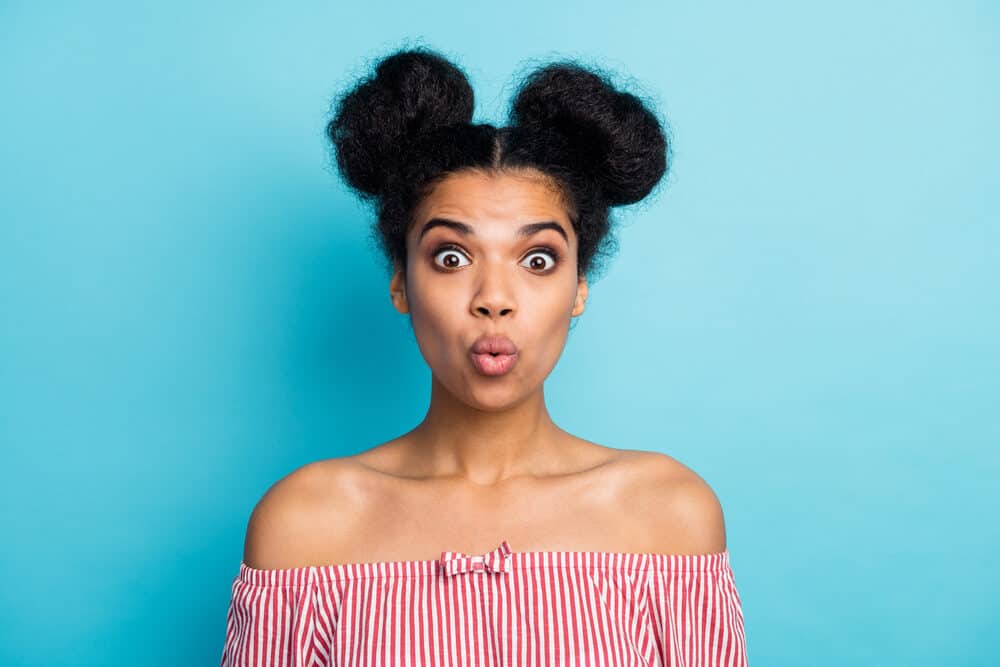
(486,447)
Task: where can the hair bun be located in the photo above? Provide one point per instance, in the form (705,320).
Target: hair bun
(410,94)
(608,133)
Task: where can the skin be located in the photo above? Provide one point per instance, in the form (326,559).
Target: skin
(487,462)
(487,430)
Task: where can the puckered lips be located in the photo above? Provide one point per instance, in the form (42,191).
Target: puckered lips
(493,354)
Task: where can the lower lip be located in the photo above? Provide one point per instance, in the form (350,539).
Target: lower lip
(487,364)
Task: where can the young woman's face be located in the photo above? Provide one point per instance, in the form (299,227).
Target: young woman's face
(479,263)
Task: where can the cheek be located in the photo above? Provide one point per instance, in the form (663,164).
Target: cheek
(557,323)
(550,316)
(435,321)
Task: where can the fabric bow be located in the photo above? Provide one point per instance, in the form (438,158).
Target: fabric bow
(498,560)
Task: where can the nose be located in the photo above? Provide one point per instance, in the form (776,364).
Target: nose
(490,310)
(494,298)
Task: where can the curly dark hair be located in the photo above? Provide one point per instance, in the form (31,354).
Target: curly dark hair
(397,133)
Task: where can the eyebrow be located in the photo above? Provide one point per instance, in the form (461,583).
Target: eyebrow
(466,230)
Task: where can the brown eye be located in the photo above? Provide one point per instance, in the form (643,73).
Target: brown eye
(539,264)
(451,257)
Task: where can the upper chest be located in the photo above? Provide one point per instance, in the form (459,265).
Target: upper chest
(392,518)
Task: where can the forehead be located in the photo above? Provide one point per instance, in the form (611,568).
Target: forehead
(502,198)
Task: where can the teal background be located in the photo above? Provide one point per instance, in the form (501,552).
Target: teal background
(807,314)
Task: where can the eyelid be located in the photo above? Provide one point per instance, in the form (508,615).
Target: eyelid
(547,250)
(448,246)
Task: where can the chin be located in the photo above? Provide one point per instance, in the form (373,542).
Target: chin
(493,399)
(491,394)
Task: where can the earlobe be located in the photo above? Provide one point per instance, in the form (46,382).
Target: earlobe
(399,301)
(397,292)
(581,298)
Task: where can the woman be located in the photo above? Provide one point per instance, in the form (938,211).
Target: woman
(487,535)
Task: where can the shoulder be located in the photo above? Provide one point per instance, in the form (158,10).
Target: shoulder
(294,521)
(678,512)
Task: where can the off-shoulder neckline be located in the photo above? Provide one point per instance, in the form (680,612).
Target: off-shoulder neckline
(620,561)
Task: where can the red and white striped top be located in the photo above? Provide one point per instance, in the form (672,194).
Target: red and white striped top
(502,608)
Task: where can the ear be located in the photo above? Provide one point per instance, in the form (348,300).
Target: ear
(397,290)
(581,297)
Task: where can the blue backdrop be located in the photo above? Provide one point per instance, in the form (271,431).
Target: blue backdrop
(192,308)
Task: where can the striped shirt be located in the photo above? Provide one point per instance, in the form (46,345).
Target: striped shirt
(502,608)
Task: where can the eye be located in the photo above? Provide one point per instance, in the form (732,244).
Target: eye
(449,252)
(542,252)
(449,257)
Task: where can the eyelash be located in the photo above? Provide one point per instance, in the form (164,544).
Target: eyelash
(556,255)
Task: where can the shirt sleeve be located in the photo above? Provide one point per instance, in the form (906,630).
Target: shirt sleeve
(697,614)
(271,623)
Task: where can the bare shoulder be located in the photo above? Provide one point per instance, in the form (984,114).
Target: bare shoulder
(677,509)
(295,520)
